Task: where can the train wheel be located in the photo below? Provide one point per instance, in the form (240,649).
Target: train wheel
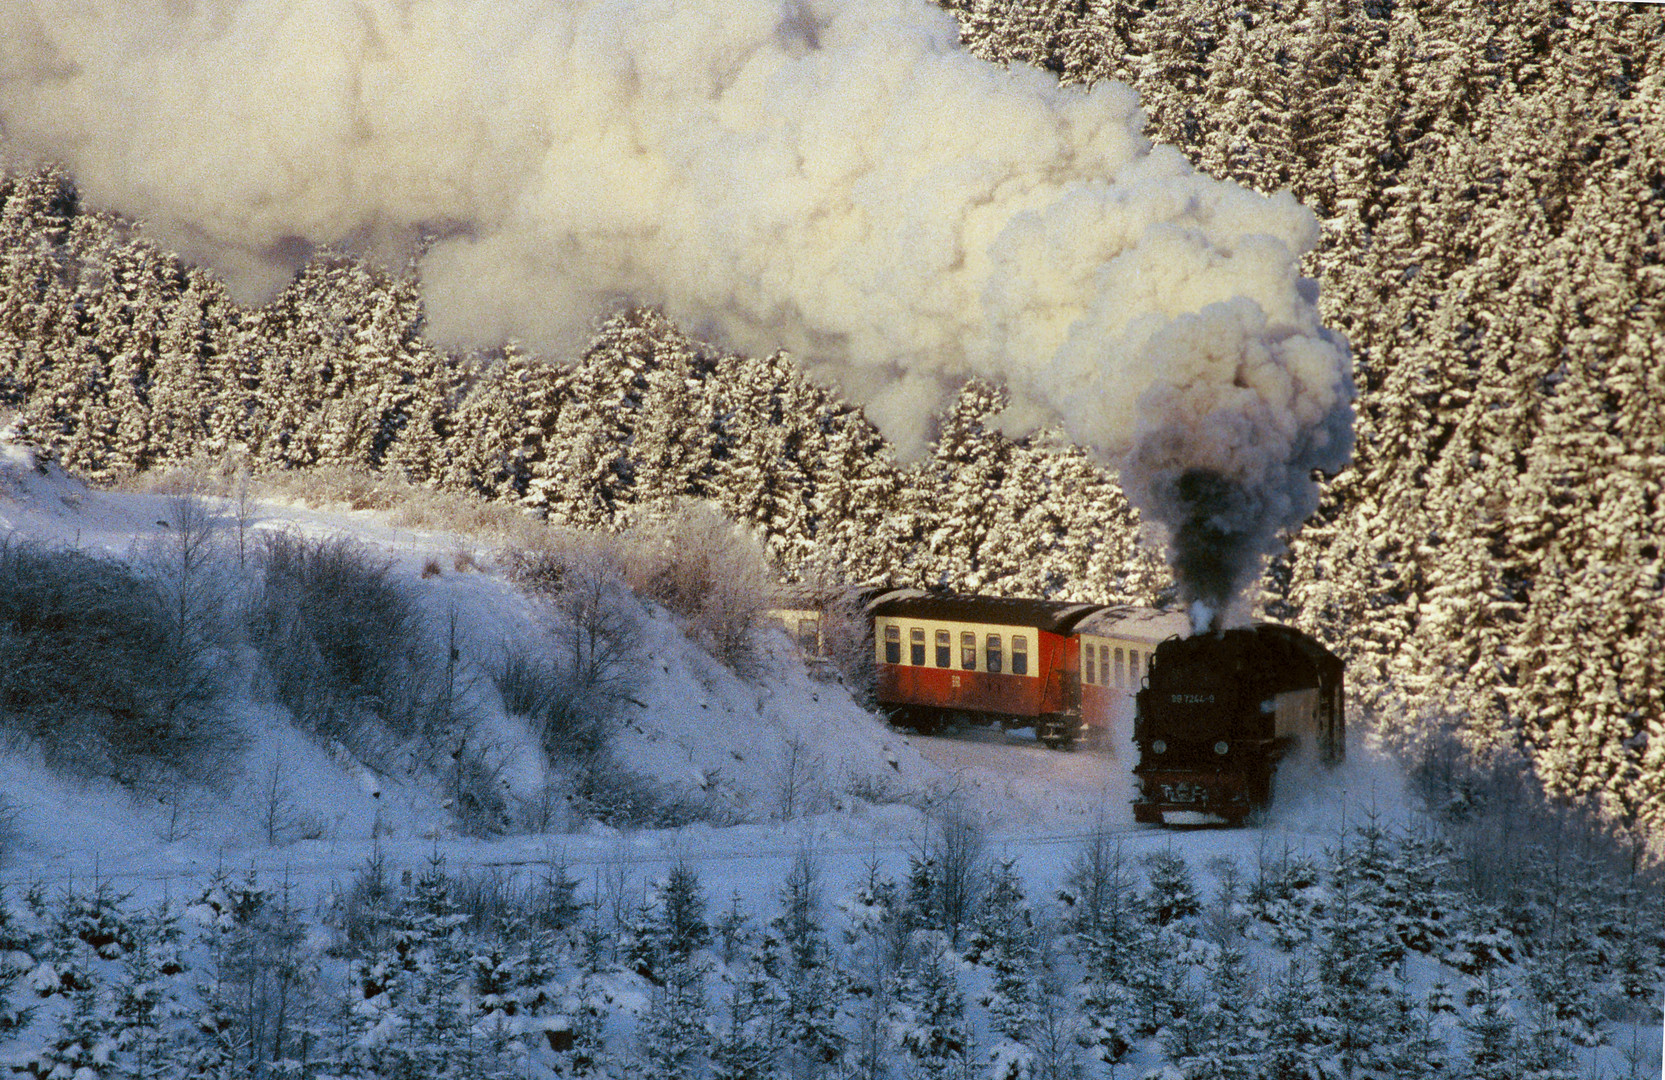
(1058,732)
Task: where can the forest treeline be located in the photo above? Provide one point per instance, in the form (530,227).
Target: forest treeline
(1491,182)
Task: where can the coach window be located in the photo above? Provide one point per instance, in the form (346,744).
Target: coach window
(968,651)
(1133,667)
(1020,655)
(1089,664)
(1120,678)
(893,644)
(992,655)
(1104,665)
(945,649)
(916,646)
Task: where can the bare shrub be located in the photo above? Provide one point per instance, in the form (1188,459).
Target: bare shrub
(94,672)
(572,697)
(475,792)
(704,568)
(408,504)
(847,643)
(493,898)
(569,727)
(877,789)
(798,787)
(1494,811)
(281,817)
(184,561)
(605,791)
(346,650)
(341,642)
(197,476)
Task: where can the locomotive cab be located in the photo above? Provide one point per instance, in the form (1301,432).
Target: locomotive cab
(1220,710)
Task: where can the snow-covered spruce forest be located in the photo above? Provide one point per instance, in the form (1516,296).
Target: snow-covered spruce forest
(1363,962)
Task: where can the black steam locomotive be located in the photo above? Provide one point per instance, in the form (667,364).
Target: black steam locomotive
(1218,712)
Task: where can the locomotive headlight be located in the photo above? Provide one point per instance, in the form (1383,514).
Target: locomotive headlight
(1157,746)
(1221,747)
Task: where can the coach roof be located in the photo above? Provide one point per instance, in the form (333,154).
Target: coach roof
(1050,616)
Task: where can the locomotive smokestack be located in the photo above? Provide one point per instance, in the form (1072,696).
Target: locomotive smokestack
(834,177)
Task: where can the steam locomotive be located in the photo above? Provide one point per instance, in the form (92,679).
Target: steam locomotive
(1219,710)
(1210,714)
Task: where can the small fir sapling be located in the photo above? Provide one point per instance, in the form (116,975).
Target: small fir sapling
(1060,1033)
(1489,1030)
(1219,1037)
(576,1029)
(1355,953)
(876,936)
(147,1001)
(1227,917)
(20,947)
(1284,894)
(1416,1039)
(675,1031)
(745,1044)
(1157,974)
(1100,901)
(1297,1031)
(1005,942)
(732,932)
(668,951)
(84,1043)
(1171,892)
(747,1027)
(432,1017)
(929,1014)
(800,958)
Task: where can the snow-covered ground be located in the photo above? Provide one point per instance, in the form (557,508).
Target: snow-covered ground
(751,745)
(788,763)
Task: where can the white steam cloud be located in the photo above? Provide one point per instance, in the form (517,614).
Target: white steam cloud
(836,177)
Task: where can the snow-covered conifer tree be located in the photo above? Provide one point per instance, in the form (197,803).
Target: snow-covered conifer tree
(801,960)
(147,1000)
(929,1014)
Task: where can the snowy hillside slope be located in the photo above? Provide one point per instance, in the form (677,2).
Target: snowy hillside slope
(738,746)
(775,746)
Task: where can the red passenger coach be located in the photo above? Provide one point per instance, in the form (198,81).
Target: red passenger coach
(943,659)
(1115,646)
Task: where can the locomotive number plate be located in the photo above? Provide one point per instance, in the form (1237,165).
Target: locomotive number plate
(1192,699)
(1184,792)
